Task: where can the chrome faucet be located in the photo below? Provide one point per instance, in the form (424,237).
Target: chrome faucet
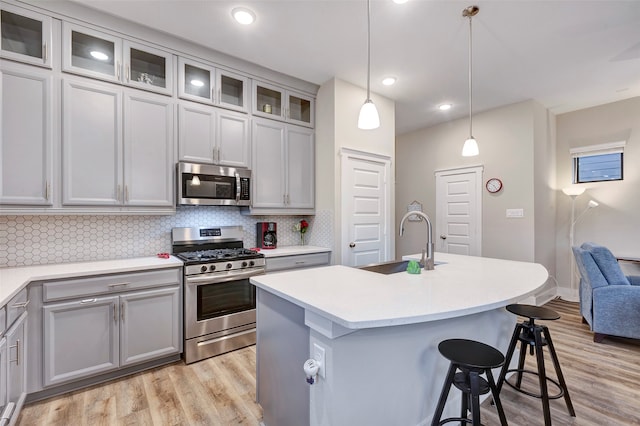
(427,261)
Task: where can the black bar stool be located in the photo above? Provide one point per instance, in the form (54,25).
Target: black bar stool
(535,337)
(472,359)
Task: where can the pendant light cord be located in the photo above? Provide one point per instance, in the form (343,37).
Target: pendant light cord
(368,49)
(470,82)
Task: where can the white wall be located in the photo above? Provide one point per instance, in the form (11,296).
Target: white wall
(337,107)
(615,223)
(506,138)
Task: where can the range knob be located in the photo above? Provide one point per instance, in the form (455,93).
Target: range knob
(203,269)
(244,264)
(212,268)
(252,263)
(229,265)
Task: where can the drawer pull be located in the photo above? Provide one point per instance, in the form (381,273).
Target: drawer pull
(17,346)
(89,300)
(20,305)
(118,285)
(300,262)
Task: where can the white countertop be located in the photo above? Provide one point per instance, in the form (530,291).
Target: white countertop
(12,280)
(293,251)
(354,298)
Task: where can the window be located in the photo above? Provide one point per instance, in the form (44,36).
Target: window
(598,163)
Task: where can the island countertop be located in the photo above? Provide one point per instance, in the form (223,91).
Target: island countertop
(356,299)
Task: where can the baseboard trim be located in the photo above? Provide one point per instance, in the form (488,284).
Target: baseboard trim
(568,294)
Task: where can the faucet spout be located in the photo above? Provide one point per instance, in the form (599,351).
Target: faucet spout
(427,261)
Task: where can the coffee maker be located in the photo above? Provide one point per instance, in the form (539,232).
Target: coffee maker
(266,235)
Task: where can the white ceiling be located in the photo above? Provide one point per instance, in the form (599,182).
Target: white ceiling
(565,54)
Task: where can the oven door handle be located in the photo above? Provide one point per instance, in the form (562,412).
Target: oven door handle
(222,278)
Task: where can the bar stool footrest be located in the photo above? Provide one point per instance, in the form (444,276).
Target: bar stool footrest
(559,395)
(456,419)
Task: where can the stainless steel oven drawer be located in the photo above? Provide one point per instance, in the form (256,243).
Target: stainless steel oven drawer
(105,284)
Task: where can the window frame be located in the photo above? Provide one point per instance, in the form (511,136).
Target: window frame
(596,150)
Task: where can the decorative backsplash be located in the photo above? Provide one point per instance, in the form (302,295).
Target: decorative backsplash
(37,240)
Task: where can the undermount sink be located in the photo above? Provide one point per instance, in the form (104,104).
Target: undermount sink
(392,267)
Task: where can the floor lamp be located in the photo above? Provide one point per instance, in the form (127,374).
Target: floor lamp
(573,192)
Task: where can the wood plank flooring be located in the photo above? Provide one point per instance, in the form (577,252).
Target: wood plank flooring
(603,380)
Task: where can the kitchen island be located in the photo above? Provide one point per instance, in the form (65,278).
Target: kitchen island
(379,334)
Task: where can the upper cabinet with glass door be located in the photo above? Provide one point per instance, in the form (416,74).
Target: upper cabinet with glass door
(26,36)
(278,103)
(214,86)
(106,57)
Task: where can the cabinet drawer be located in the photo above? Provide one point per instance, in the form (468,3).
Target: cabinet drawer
(104,284)
(16,306)
(298,261)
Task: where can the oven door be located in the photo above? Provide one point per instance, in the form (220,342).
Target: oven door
(214,304)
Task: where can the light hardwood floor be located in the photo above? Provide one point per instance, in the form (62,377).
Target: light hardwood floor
(603,381)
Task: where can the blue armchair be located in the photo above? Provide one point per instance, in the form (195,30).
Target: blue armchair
(609,300)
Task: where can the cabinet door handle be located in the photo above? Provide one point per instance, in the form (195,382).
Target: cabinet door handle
(118,70)
(122,311)
(21,304)
(118,285)
(118,193)
(17,346)
(213,94)
(126,193)
(115,313)
(47,187)
(44,52)
(127,73)
(89,300)
(219,96)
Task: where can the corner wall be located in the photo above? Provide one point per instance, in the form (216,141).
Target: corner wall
(614,223)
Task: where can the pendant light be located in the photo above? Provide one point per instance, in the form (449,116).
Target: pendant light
(470,147)
(368,118)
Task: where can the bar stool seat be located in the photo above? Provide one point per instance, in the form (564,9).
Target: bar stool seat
(469,359)
(535,337)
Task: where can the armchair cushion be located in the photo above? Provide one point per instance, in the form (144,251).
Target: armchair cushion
(607,263)
(634,279)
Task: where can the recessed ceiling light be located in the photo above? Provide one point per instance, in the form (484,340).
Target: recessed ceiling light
(388,81)
(197,83)
(243,15)
(400,1)
(99,55)
(445,107)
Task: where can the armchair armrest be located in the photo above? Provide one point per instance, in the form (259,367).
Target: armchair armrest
(616,310)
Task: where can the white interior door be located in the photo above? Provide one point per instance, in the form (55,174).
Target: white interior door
(366,209)
(459,211)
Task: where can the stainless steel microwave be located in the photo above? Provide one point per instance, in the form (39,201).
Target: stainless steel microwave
(210,185)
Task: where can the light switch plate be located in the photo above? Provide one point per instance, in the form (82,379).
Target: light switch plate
(515,212)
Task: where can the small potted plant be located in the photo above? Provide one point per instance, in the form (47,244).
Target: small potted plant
(301,227)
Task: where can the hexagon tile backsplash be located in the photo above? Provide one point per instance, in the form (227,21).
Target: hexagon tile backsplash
(37,240)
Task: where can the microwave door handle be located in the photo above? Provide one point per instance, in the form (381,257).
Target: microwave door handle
(237,188)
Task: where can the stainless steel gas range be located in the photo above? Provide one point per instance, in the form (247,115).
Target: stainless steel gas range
(219,301)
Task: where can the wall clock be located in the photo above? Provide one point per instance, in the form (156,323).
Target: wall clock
(494,185)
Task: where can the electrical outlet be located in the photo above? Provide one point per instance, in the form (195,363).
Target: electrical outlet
(318,355)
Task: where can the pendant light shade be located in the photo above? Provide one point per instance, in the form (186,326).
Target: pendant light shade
(368,118)
(470,147)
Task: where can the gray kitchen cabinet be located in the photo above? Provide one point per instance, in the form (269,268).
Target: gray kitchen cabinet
(26,35)
(116,158)
(16,366)
(80,339)
(86,337)
(278,103)
(211,85)
(149,325)
(213,135)
(104,56)
(3,378)
(283,166)
(26,135)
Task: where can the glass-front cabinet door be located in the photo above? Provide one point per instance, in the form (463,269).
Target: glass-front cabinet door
(196,81)
(268,100)
(232,90)
(92,53)
(300,109)
(148,68)
(26,36)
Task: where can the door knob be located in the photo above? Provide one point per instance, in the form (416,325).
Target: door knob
(443,237)
(352,245)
